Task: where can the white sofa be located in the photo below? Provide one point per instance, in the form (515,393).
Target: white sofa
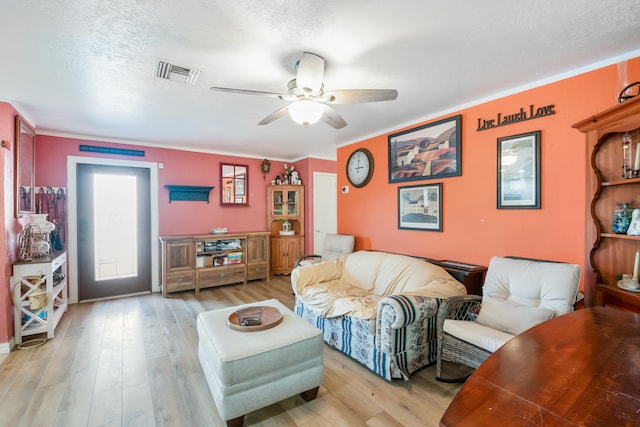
(376,307)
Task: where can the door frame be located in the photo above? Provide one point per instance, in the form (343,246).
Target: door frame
(72,162)
(318,198)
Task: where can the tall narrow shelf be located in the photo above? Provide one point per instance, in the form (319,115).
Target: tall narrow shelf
(285,202)
(608,254)
(48,275)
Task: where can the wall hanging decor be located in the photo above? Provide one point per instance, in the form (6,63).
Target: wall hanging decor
(234,182)
(430,151)
(265,166)
(420,207)
(519,171)
(25,147)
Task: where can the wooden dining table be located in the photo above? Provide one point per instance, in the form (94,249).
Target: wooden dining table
(579,369)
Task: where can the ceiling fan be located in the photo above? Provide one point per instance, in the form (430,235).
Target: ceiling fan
(310,101)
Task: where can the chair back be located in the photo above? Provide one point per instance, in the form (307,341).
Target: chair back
(337,246)
(541,284)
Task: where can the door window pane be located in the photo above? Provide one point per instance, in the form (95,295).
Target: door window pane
(115,231)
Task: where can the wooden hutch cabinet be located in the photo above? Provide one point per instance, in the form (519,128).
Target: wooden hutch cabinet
(285,203)
(608,254)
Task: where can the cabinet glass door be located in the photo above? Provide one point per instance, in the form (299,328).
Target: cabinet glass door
(292,202)
(278,202)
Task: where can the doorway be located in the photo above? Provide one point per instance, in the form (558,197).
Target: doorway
(325,215)
(153,284)
(113,207)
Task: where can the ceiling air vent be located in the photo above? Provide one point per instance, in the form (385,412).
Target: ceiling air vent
(176,73)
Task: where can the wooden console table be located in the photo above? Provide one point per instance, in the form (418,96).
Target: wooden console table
(202,261)
(582,368)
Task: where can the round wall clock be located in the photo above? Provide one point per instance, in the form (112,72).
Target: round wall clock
(360,167)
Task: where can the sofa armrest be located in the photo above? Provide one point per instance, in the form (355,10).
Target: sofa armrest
(314,257)
(315,274)
(407,309)
(464,307)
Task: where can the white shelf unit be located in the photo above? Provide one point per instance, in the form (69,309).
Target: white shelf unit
(49,275)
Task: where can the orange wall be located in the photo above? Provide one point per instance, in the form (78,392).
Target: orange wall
(474,229)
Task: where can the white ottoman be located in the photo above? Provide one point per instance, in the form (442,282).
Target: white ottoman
(251,370)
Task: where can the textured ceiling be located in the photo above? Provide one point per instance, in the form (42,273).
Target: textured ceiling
(86,67)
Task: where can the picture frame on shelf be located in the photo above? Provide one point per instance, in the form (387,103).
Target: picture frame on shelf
(518,175)
(420,207)
(430,151)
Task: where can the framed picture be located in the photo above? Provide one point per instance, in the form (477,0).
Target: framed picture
(519,171)
(431,151)
(420,207)
(239,190)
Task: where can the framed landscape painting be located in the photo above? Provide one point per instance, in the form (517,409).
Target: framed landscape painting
(519,171)
(420,207)
(431,151)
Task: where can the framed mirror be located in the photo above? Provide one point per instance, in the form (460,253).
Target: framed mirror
(25,150)
(234,183)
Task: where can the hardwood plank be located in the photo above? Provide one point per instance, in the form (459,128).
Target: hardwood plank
(137,406)
(383,420)
(13,406)
(182,358)
(78,394)
(169,407)
(44,406)
(137,403)
(10,368)
(106,405)
(197,397)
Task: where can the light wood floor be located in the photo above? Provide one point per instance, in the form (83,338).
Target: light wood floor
(133,362)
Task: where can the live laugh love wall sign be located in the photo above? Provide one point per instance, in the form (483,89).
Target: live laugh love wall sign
(533,112)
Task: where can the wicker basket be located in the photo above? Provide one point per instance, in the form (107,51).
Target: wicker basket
(37,299)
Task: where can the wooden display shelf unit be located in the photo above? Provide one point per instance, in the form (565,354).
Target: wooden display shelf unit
(29,277)
(204,261)
(608,254)
(285,203)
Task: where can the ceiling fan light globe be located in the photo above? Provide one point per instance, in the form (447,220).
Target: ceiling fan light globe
(305,112)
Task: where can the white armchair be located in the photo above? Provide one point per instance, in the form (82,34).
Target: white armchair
(336,246)
(517,295)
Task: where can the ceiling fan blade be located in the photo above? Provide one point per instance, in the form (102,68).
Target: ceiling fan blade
(278,114)
(285,97)
(356,96)
(332,118)
(310,73)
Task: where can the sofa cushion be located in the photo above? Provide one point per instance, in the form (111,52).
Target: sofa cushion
(386,274)
(510,317)
(533,283)
(479,335)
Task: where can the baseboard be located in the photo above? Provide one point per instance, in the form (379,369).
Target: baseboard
(6,347)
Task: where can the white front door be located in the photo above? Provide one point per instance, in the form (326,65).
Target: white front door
(325,207)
